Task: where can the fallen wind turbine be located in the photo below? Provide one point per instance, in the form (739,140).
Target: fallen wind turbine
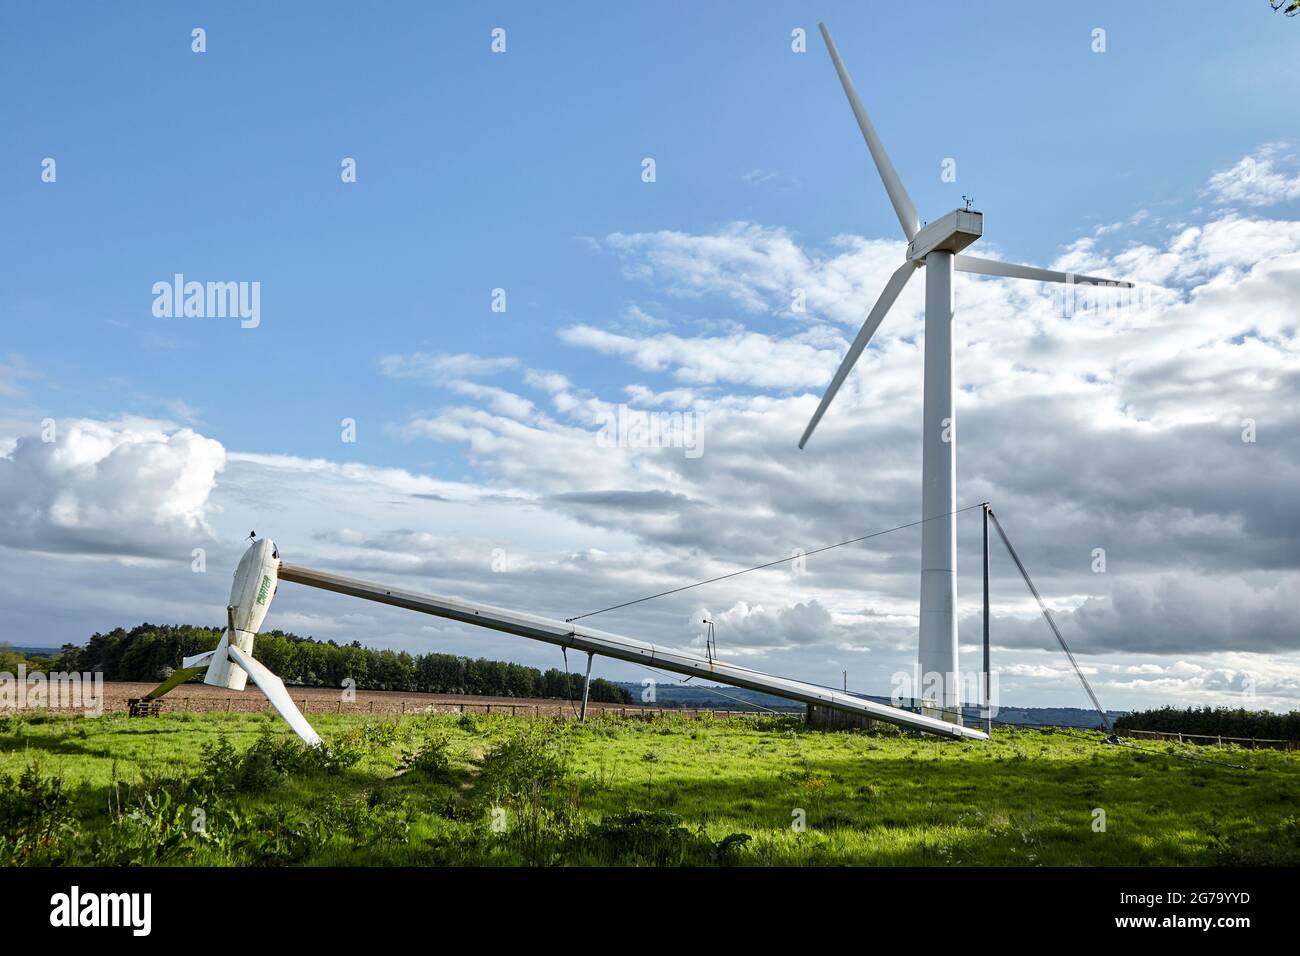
(260,571)
(231,663)
(937,246)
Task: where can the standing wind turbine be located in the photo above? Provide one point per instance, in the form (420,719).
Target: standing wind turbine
(935,246)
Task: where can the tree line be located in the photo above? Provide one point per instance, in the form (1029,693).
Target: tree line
(150,652)
(1215,722)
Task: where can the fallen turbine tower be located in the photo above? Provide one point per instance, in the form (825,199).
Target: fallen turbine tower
(260,570)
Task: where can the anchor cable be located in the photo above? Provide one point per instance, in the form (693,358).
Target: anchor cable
(568,681)
(772,564)
(1051,622)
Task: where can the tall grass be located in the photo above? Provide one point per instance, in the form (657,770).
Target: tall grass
(237,790)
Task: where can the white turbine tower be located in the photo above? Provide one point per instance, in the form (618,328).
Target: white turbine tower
(935,246)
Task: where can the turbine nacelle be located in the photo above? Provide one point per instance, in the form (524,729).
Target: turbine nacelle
(250,599)
(231,663)
(953,233)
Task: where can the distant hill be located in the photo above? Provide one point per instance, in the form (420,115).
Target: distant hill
(1052,716)
(670,693)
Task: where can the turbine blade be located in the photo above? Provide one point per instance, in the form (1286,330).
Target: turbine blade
(278,695)
(903,207)
(892,288)
(205,658)
(178,676)
(991,267)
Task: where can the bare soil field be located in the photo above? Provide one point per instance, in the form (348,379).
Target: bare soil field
(316,700)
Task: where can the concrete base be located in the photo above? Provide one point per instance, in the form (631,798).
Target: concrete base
(932,709)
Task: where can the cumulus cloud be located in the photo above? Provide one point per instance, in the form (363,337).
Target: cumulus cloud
(755,266)
(1269,176)
(1172,613)
(551,382)
(1164,431)
(747,627)
(1124,428)
(130,486)
(498,399)
(740,358)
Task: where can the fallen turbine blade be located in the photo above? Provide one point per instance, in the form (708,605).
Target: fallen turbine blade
(892,288)
(278,695)
(178,677)
(991,267)
(198,659)
(903,207)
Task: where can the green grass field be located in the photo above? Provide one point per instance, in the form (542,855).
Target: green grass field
(222,789)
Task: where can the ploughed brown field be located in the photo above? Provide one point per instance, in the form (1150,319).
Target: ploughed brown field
(317,700)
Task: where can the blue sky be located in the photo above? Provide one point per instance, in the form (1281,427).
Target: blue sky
(479,171)
(1165,159)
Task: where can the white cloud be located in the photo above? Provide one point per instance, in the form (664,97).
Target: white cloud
(1118,427)
(133,485)
(759,268)
(499,400)
(1114,428)
(757,627)
(1265,178)
(772,178)
(551,382)
(741,358)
